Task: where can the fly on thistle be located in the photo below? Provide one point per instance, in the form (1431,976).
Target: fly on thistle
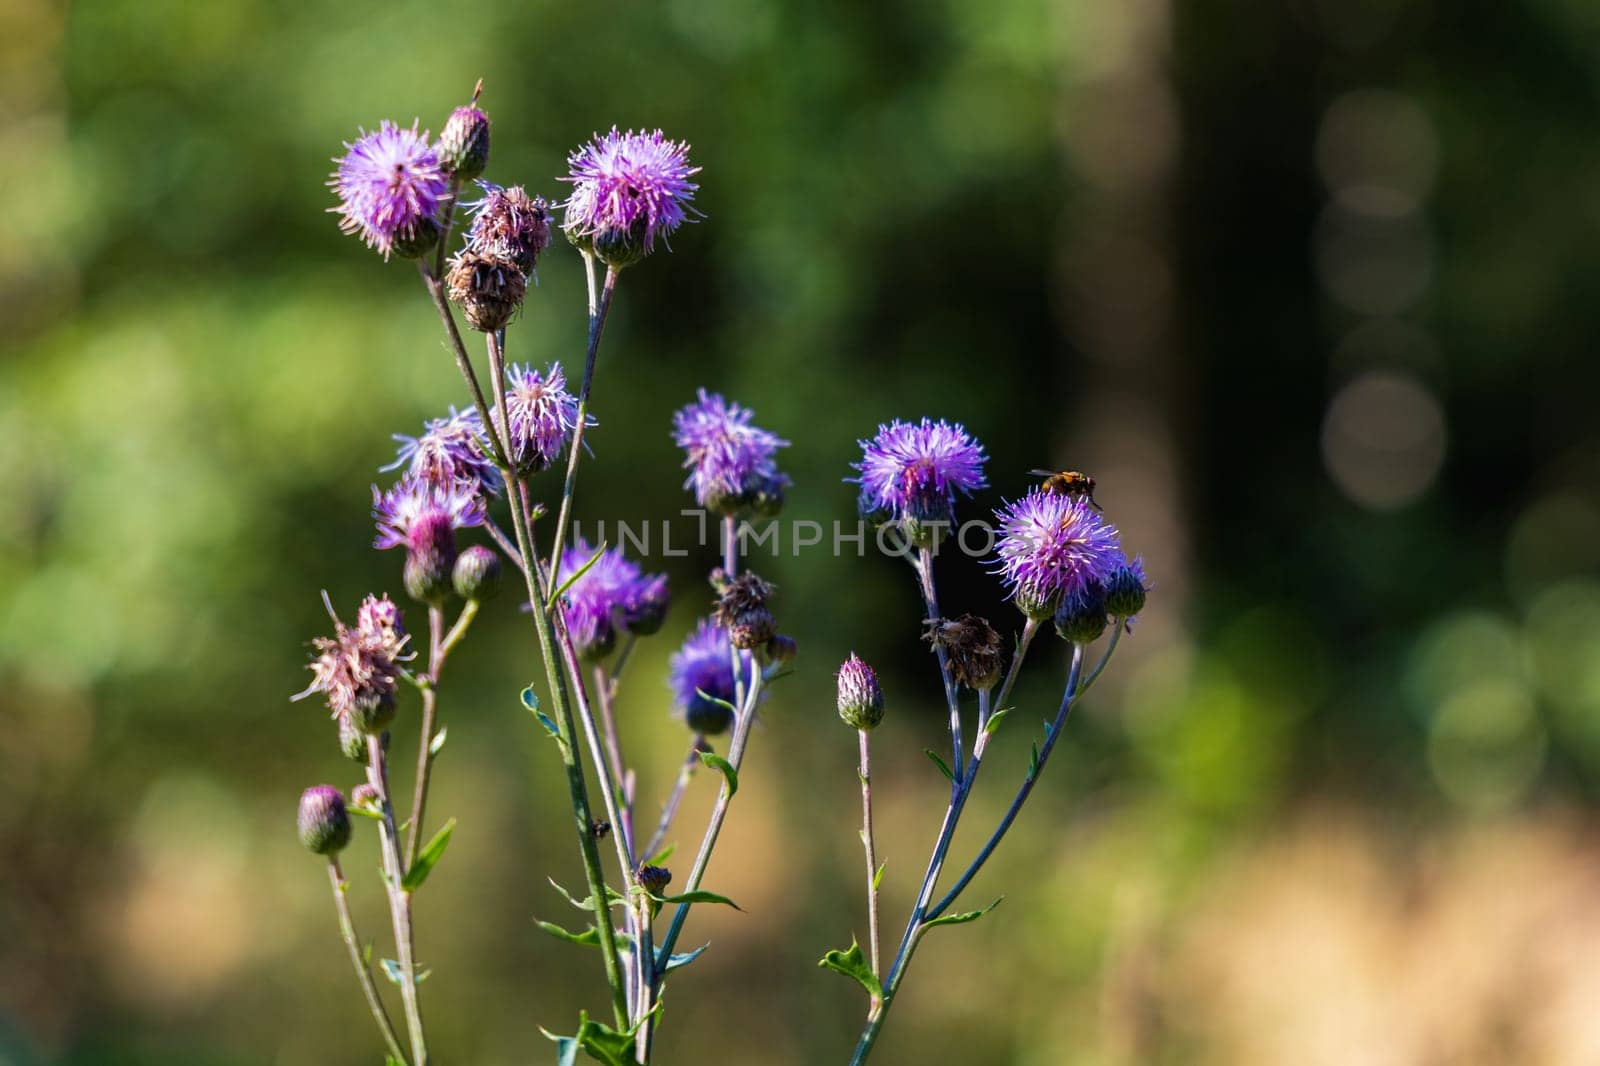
(1068,483)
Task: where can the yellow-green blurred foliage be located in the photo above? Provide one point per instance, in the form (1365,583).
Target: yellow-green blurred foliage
(1309,287)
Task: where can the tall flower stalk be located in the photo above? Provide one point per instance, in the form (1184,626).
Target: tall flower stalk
(1058,559)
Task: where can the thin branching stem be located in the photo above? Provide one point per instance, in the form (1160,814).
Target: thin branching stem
(358,960)
(399,899)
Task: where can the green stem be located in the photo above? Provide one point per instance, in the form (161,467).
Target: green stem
(930,599)
(347,927)
(597,326)
(576,787)
(399,899)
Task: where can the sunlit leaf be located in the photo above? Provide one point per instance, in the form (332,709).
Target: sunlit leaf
(964,916)
(428,857)
(853,964)
(717,762)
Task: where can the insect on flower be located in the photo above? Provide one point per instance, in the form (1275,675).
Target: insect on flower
(1068,483)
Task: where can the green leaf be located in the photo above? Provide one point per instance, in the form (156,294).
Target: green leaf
(393,972)
(994,720)
(530,700)
(943,769)
(603,1043)
(390,1060)
(428,857)
(587,902)
(964,916)
(682,959)
(853,964)
(437,742)
(731,709)
(660,858)
(877,878)
(589,937)
(697,896)
(1033,762)
(365,812)
(566,1048)
(555,596)
(717,762)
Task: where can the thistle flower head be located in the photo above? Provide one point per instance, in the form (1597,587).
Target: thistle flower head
(489,290)
(860,697)
(390,185)
(700,673)
(972,646)
(601,598)
(509,224)
(728,459)
(1081,616)
(542,414)
(1126,589)
(914,470)
(323,822)
(742,610)
(1051,546)
(644,607)
(412,513)
(464,142)
(628,188)
(356,668)
(449,452)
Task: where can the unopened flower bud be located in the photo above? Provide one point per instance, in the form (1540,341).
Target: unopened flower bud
(417,239)
(488,289)
(860,698)
(477,573)
(645,608)
(1035,605)
(781,650)
(365,797)
(1125,590)
(430,557)
(654,879)
(1081,618)
(323,822)
(464,143)
(766,497)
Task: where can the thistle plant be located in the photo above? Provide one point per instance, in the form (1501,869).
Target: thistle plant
(460,510)
(1061,563)
(467,475)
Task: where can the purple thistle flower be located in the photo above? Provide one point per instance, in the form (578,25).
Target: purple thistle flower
(542,414)
(449,452)
(509,224)
(1051,546)
(412,513)
(605,596)
(356,669)
(629,185)
(390,185)
(701,672)
(914,470)
(725,455)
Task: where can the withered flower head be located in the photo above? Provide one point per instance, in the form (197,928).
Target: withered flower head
(489,289)
(741,608)
(973,647)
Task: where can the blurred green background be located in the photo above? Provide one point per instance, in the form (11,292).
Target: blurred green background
(1308,286)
